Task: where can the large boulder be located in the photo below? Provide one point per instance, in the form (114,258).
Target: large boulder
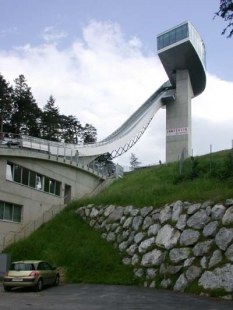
(153,229)
(215,259)
(177,210)
(210,229)
(167,237)
(224,238)
(229,253)
(202,248)
(116,214)
(182,220)
(153,258)
(146,210)
(137,221)
(109,210)
(181,283)
(189,237)
(165,214)
(198,220)
(148,221)
(139,236)
(193,208)
(228,217)
(127,222)
(178,254)
(220,278)
(217,212)
(144,245)
(192,273)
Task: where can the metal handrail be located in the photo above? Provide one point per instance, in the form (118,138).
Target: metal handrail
(66,152)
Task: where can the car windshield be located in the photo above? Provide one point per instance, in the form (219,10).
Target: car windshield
(21,266)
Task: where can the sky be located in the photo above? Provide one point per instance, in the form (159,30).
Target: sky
(98,58)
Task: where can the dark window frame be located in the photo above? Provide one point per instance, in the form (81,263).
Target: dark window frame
(47,184)
(13,207)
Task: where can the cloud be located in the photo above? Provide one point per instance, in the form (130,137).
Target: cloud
(103,77)
(9,31)
(215,103)
(51,34)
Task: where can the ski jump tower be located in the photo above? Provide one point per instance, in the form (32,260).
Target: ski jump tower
(182,53)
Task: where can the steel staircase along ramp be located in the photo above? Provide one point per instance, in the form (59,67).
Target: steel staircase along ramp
(122,139)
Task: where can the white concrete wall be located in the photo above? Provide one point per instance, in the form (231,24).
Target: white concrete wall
(36,202)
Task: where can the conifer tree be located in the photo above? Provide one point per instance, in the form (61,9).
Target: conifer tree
(5,105)
(50,120)
(26,113)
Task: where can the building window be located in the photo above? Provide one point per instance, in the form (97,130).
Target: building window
(52,186)
(39,182)
(46,184)
(172,36)
(58,188)
(25,177)
(17,174)
(9,172)
(17,213)
(32,179)
(10,212)
(1,210)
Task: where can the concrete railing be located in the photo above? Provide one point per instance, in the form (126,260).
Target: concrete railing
(54,151)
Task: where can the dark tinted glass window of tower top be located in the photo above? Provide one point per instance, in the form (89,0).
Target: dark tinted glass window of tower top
(172,36)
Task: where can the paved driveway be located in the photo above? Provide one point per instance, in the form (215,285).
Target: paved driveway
(103,297)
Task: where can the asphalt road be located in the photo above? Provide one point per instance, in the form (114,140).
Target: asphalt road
(104,297)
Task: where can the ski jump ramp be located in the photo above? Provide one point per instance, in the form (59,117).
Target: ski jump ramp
(117,143)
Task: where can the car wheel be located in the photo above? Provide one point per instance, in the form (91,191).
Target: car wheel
(56,281)
(39,285)
(7,288)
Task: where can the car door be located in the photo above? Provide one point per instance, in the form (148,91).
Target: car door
(42,271)
(49,273)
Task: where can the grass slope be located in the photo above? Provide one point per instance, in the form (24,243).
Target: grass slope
(202,178)
(68,242)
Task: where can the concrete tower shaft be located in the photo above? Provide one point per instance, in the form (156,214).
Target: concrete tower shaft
(182,53)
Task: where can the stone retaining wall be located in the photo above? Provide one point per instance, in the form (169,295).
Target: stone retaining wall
(182,246)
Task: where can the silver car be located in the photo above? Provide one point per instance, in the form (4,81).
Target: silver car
(30,273)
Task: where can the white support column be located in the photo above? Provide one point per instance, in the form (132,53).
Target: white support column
(178,118)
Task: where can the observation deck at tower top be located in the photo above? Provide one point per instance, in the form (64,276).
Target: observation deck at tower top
(181,48)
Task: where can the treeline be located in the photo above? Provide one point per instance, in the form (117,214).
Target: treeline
(20,114)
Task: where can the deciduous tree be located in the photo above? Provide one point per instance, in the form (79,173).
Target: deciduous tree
(226,12)
(70,129)
(134,163)
(89,134)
